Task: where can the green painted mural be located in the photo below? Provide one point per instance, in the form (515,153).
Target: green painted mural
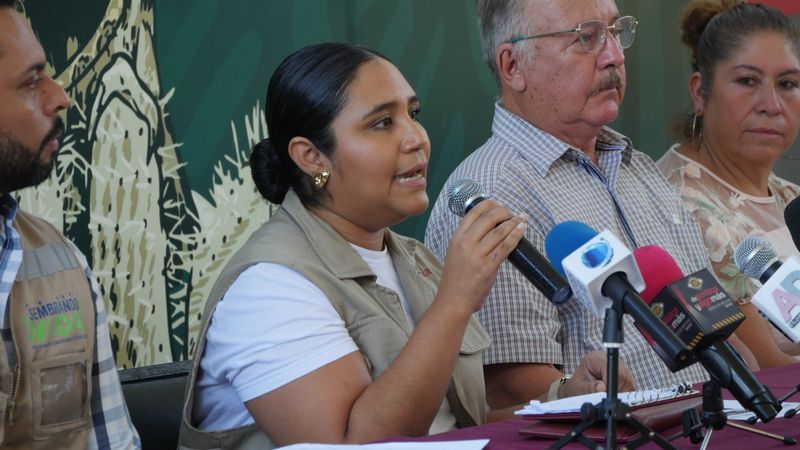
(152,183)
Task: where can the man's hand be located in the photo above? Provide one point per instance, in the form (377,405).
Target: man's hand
(591,377)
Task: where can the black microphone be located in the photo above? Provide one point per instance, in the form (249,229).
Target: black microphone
(791,215)
(463,195)
(703,315)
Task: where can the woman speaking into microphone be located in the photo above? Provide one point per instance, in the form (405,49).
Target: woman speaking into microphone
(327,326)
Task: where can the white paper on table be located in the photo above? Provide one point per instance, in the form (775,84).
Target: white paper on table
(474,444)
(734,410)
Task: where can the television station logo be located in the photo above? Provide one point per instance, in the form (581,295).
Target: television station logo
(597,254)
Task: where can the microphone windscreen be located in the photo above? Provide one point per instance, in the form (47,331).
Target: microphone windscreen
(658,270)
(459,194)
(753,256)
(791,215)
(563,239)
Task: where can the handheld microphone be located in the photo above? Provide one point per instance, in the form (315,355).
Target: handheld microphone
(601,270)
(702,314)
(779,297)
(791,215)
(463,196)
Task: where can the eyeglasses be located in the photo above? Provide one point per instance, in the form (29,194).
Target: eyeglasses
(592,33)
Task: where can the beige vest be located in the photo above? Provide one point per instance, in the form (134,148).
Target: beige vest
(45,398)
(373,314)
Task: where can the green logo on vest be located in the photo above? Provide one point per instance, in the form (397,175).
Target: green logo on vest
(55,321)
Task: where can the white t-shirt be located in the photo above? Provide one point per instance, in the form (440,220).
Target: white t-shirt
(272,327)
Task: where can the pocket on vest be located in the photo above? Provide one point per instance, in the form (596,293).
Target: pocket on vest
(475,338)
(60,394)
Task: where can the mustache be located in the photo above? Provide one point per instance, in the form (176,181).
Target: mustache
(55,132)
(612,80)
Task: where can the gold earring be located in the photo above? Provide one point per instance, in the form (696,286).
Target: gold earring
(321,178)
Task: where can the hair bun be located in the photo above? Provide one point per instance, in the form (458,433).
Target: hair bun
(696,17)
(268,172)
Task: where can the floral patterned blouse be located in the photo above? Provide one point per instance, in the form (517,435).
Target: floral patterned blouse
(727,216)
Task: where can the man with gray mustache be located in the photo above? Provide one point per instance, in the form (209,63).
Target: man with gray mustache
(560,69)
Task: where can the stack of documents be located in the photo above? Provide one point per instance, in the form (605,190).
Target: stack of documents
(735,411)
(573,404)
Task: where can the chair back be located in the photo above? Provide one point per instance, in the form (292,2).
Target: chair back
(154,395)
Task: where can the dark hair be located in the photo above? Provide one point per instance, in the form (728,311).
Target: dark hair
(306,93)
(715,29)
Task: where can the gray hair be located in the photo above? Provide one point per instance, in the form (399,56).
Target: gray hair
(499,21)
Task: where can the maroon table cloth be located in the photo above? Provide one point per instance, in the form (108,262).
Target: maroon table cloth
(504,435)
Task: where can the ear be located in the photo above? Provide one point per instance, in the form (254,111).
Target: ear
(696,91)
(509,67)
(306,155)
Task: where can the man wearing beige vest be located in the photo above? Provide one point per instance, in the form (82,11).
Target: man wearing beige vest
(58,381)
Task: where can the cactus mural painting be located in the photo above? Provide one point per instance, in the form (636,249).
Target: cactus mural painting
(119,186)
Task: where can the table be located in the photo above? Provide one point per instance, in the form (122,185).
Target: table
(504,436)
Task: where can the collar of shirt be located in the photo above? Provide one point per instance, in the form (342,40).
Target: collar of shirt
(10,260)
(545,149)
(8,211)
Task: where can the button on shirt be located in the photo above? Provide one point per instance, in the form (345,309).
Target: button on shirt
(110,419)
(532,172)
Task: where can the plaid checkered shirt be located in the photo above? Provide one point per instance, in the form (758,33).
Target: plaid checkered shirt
(532,172)
(110,418)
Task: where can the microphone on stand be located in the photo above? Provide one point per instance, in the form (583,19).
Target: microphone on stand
(603,274)
(703,315)
(463,195)
(602,270)
(779,297)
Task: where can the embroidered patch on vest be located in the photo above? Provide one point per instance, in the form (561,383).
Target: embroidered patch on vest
(55,321)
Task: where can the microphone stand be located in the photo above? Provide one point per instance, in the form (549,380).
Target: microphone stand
(611,409)
(789,413)
(792,412)
(714,418)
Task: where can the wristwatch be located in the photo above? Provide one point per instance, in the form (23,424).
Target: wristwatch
(552,394)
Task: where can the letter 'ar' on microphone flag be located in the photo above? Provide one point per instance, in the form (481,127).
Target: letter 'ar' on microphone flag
(779,298)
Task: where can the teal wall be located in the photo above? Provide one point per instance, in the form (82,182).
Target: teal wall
(219,58)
